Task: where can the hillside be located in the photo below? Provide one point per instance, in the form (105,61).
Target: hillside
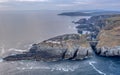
(109,37)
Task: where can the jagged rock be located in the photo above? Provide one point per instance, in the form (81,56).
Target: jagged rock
(69,46)
(109,51)
(84,52)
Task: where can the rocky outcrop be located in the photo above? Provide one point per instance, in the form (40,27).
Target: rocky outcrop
(69,46)
(93,25)
(109,38)
(104,33)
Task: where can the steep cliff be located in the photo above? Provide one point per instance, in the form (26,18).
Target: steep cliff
(109,38)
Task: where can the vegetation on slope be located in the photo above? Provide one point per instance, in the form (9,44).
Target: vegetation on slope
(110,34)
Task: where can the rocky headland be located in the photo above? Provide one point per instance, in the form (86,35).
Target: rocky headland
(69,46)
(99,34)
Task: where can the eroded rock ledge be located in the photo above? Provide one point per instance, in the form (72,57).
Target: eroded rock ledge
(69,46)
(109,51)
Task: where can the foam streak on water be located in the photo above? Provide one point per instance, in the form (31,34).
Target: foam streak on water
(92,64)
(64,66)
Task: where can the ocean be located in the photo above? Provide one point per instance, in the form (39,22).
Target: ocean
(20,29)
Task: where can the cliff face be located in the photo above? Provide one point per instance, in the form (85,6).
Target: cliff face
(69,46)
(109,38)
(104,31)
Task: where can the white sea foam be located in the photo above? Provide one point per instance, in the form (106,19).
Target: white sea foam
(1,60)
(54,68)
(32,67)
(92,64)
(47,66)
(63,68)
(2,49)
(28,46)
(72,27)
(17,50)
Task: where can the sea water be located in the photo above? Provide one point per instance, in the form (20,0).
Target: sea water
(20,29)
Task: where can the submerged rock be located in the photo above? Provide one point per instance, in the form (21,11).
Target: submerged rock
(69,46)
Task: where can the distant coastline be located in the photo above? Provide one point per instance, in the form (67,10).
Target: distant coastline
(88,13)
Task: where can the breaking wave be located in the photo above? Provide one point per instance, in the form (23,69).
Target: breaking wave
(92,64)
(2,50)
(17,50)
(12,51)
(1,60)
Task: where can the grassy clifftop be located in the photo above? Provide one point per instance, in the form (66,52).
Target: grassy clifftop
(68,38)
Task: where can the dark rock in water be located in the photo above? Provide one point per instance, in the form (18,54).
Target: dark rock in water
(69,46)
